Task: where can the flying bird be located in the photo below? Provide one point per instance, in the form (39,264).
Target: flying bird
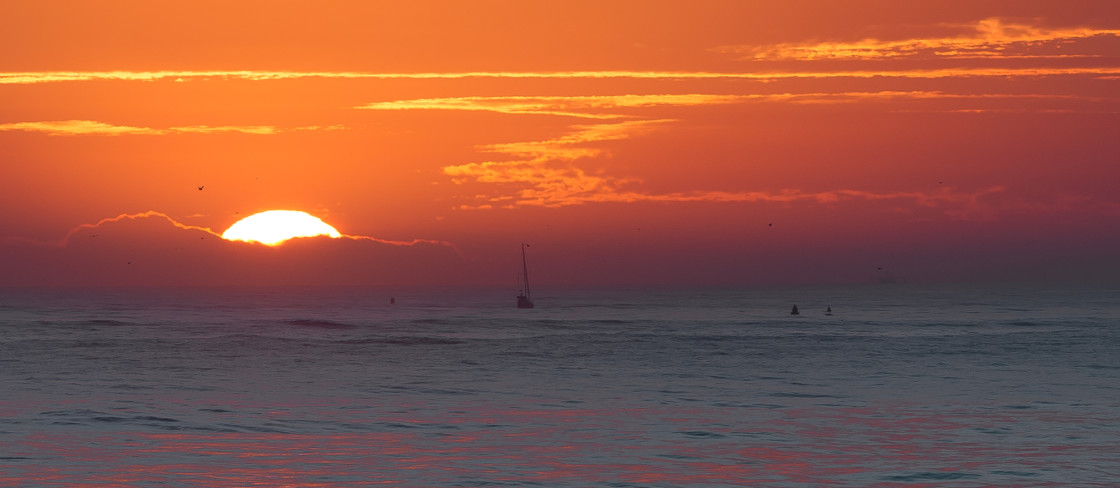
(201,187)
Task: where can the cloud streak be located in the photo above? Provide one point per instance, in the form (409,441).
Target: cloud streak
(542,170)
(546,174)
(987,38)
(62,242)
(91,127)
(32,77)
(584,106)
(65,239)
(601,106)
(542,173)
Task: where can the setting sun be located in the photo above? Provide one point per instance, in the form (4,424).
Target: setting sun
(276,226)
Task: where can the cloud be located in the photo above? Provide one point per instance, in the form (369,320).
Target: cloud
(959,204)
(542,173)
(606,107)
(152,214)
(546,174)
(542,169)
(585,106)
(153,248)
(90,127)
(65,239)
(987,38)
(549,172)
(32,77)
(78,127)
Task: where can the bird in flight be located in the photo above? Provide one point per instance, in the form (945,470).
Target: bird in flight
(201,187)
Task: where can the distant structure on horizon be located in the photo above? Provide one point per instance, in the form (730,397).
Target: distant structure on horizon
(886,278)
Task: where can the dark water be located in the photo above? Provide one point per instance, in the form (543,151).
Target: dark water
(904,385)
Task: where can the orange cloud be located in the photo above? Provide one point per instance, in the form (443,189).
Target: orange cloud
(184,76)
(90,127)
(571,106)
(544,166)
(594,107)
(544,173)
(988,38)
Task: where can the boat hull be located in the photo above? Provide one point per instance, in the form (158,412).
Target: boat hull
(523,302)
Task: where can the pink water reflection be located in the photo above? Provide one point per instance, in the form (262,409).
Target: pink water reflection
(564,447)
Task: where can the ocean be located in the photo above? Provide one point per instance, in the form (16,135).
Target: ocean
(903,385)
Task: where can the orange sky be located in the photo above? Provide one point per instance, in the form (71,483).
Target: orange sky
(628,142)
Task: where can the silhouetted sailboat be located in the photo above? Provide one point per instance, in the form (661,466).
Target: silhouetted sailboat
(828,311)
(794,311)
(524,297)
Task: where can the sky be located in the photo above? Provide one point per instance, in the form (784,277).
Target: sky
(627,142)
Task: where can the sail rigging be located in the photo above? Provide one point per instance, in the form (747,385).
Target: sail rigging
(524,298)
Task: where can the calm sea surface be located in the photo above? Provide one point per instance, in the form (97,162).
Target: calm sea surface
(904,385)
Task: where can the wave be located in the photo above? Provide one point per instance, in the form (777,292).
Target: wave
(405,341)
(105,322)
(319,324)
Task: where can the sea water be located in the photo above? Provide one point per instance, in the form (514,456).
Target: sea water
(903,385)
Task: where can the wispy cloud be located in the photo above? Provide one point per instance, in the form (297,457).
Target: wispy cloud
(544,186)
(408,243)
(585,106)
(64,240)
(185,76)
(541,171)
(549,173)
(988,38)
(958,204)
(91,127)
(77,128)
(606,107)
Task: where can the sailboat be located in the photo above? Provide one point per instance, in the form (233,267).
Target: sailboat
(524,297)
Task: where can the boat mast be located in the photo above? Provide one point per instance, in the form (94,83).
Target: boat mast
(525,272)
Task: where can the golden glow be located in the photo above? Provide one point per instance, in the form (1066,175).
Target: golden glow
(276,226)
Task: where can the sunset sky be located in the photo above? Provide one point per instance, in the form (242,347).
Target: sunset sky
(628,142)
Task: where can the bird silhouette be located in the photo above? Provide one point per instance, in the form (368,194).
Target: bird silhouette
(201,187)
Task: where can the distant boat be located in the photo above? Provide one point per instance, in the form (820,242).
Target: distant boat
(794,311)
(524,297)
(828,311)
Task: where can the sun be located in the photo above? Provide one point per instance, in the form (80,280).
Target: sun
(276,226)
